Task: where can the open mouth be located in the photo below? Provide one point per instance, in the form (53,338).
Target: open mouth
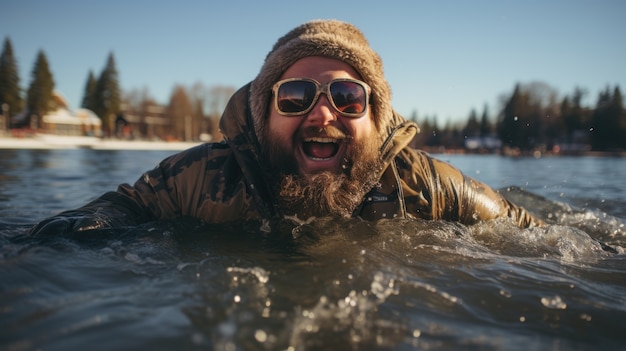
(320,148)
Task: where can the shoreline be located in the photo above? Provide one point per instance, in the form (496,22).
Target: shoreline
(68,143)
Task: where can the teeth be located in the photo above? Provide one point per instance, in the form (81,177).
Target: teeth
(320,140)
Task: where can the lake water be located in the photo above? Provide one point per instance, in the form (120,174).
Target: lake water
(340,285)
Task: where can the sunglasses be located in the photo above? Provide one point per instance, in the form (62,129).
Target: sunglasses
(297,96)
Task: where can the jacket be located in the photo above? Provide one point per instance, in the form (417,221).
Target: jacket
(225,182)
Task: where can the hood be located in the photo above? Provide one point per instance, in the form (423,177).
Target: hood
(237,124)
(328,38)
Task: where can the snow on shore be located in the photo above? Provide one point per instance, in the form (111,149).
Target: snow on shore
(46,143)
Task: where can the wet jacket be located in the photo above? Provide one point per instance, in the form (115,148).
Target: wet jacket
(225,182)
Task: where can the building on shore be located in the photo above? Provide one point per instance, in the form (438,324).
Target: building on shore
(62,121)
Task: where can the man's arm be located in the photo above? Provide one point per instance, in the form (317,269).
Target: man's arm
(157,194)
(112,209)
(437,190)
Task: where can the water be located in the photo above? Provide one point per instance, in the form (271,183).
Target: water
(342,285)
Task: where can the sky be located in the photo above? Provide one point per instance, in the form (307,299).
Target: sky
(442,58)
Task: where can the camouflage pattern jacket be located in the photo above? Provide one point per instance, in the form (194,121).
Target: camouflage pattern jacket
(225,182)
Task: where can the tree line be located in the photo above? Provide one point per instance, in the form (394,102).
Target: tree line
(191,112)
(532,117)
(102,95)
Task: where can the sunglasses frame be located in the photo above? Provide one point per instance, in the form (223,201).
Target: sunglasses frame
(325,89)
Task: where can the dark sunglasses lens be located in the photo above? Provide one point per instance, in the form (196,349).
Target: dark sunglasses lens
(295,96)
(348,97)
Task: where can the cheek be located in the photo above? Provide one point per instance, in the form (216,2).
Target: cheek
(281,128)
(361,128)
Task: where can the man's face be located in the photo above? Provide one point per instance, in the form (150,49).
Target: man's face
(319,140)
(323,162)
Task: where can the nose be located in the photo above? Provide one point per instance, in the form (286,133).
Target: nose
(322,113)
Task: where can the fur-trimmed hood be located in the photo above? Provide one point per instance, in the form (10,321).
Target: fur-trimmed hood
(328,38)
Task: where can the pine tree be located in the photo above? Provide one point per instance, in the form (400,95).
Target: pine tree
(606,121)
(485,125)
(573,114)
(89,96)
(472,127)
(107,96)
(620,115)
(569,119)
(514,127)
(39,98)
(10,92)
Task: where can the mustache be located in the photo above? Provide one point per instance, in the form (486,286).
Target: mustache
(324,132)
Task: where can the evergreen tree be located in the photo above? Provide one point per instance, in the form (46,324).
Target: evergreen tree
(485,125)
(472,127)
(606,121)
(422,138)
(107,96)
(89,96)
(580,116)
(620,113)
(516,120)
(567,113)
(39,99)
(10,93)
(600,125)
(434,135)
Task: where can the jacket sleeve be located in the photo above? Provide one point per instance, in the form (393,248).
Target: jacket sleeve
(436,190)
(112,209)
(157,194)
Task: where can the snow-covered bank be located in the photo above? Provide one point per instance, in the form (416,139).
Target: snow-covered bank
(91,143)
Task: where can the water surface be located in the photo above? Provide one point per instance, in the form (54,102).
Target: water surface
(329,284)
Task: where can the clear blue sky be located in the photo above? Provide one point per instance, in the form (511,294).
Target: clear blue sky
(441,58)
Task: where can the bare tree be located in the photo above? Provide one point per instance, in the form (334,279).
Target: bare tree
(197,96)
(180,112)
(218,98)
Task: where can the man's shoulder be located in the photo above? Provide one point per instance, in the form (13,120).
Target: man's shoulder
(419,166)
(206,155)
(204,150)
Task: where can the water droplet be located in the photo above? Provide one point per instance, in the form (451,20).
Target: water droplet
(585,317)
(554,302)
(260,335)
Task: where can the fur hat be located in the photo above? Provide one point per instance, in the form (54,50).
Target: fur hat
(329,38)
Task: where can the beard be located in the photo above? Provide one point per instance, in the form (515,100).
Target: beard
(326,193)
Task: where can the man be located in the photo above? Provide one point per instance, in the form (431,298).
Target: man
(314,134)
